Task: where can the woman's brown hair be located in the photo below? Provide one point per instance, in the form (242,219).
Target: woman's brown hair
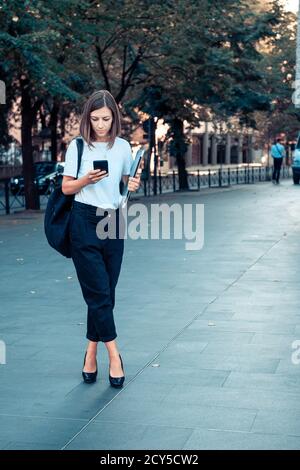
(98,100)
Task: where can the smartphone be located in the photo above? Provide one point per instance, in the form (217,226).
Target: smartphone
(101,165)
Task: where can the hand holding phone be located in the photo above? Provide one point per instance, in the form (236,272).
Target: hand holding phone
(94,176)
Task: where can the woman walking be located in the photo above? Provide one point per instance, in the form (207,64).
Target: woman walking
(98,260)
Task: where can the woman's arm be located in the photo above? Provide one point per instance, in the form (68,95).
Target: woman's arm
(72,185)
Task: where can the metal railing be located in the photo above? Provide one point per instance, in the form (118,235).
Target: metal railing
(9,201)
(197,180)
(212,178)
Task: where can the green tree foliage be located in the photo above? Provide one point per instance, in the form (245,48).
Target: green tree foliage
(278,67)
(168,59)
(32,40)
(208,56)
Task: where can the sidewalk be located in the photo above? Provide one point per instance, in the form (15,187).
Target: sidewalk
(206,340)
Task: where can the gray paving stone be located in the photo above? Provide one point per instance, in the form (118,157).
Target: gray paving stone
(253,399)
(3,444)
(45,431)
(217,314)
(275,340)
(263,381)
(269,317)
(297,330)
(245,326)
(278,422)
(231,385)
(134,411)
(225,440)
(127,436)
(157,392)
(168,374)
(220,361)
(19,445)
(287,367)
(186,347)
(215,336)
(262,350)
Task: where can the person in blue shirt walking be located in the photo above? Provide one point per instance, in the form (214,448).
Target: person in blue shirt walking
(277,152)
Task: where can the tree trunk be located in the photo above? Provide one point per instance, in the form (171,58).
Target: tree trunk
(180,149)
(30,190)
(182,173)
(53,126)
(62,122)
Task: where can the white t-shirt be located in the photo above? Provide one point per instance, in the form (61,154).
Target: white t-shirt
(106,192)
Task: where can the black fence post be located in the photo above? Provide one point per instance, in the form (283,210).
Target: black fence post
(259,173)
(174,182)
(268,173)
(228,177)
(237,175)
(253,174)
(198,179)
(7,208)
(220,178)
(159,182)
(209,178)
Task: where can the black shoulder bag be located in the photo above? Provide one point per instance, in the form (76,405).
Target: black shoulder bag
(57,215)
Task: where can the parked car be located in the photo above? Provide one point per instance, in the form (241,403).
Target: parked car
(48,175)
(296,163)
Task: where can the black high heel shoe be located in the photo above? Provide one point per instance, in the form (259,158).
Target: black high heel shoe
(89,377)
(117,382)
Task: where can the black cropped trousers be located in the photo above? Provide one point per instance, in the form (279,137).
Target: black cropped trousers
(98,263)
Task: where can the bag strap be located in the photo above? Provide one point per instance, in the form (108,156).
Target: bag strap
(79,142)
(278,150)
